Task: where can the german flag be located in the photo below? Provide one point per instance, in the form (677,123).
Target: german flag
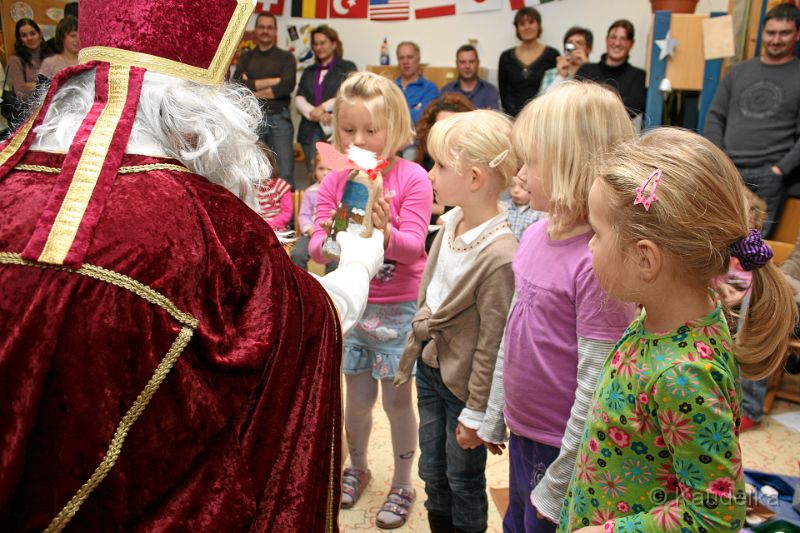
(310,9)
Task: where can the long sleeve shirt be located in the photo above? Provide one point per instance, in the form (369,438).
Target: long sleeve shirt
(483,96)
(308,208)
(275,202)
(419,93)
(409,212)
(660,451)
(274,63)
(755,115)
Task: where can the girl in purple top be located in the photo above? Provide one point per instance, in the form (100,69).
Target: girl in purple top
(561,325)
(308,211)
(371,113)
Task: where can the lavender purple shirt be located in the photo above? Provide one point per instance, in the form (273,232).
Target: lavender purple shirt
(308,207)
(558,300)
(409,212)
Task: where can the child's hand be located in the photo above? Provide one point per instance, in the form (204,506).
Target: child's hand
(495,449)
(467,438)
(590,529)
(730,296)
(380,217)
(328,224)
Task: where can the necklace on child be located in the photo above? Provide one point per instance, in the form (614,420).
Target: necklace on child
(477,241)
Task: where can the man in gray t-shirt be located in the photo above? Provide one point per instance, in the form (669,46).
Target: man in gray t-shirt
(755,116)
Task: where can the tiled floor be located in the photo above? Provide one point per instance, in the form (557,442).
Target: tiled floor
(770,446)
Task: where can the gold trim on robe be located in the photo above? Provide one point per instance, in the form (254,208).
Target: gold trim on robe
(213,75)
(188,323)
(87,172)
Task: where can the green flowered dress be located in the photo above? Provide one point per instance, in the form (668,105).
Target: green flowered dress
(660,449)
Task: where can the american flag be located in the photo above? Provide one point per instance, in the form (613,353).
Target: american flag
(388,9)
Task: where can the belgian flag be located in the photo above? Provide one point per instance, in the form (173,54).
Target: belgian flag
(310,9)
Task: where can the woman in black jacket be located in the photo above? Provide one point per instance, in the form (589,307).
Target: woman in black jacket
(317,89)
(521,69)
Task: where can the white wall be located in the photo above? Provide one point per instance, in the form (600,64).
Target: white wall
(440,37)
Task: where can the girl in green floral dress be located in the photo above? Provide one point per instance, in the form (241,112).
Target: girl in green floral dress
(660,449)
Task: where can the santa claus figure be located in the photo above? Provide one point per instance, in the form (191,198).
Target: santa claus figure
(163,364)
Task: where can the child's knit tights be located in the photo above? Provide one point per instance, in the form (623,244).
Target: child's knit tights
(362,392)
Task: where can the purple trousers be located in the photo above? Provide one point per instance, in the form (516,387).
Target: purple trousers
(528,461)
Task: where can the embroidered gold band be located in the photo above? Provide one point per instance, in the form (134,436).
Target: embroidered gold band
(189,324)
(132,169)
(87,172)
(214,74)
(333,506)
(115,448)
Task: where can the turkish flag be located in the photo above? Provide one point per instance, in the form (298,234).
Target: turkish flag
(270,6)
(348,9)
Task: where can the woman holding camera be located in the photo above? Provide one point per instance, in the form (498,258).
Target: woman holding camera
(521,68)
(577,47)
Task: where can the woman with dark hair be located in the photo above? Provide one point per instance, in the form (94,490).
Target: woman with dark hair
(24,65)
(318,87)
(614,69)
(68,46)
(521,68)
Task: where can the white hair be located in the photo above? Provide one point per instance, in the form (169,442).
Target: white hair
(210,129)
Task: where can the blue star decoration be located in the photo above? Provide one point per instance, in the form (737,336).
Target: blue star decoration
(667,46)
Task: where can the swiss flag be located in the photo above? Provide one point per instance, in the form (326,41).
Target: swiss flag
(348,9)
(270,6)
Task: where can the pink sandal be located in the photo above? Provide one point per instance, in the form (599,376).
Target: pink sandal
(399,503)
(354,481)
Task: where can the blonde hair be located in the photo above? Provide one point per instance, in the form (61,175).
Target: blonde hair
(475,138)
(386,104)
(700,212)
(561,132)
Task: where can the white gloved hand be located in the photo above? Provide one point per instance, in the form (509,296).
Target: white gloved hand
(366,252)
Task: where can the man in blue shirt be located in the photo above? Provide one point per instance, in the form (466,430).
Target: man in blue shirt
(419,92)
(482,94)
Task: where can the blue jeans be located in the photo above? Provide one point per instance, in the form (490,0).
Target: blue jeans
(528,461)
(278,135)
(455,478)
(310,150)
(769,187)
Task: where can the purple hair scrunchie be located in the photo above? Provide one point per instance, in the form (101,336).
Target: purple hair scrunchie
(752,252)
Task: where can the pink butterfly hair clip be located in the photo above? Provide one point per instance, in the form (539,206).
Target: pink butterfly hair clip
(356,159)
(653,180)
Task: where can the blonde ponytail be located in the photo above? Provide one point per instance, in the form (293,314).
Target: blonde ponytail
(762,343)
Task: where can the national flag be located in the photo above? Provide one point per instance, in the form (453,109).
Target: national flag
(519,4)
(476,6)
(348,9)
(424,9)
(270,6)
(388,9)
(310,9)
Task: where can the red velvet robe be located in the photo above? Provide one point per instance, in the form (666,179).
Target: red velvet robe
(244,432)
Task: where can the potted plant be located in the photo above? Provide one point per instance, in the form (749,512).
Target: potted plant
(676,6)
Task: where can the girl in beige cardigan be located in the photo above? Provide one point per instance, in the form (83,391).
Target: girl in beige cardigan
(461,310)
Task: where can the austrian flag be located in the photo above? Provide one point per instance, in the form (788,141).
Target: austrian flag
(424,9)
